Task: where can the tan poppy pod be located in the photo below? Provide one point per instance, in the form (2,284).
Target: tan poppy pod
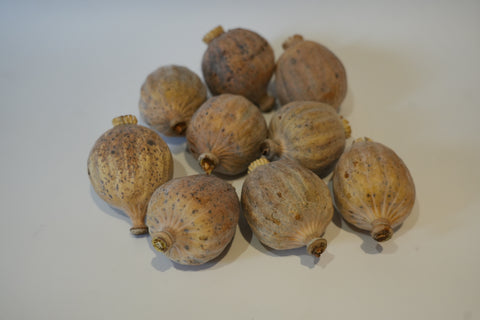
(373,188)
(226,133)
(240,62)
(126,164)
(192,219)
(286,205)
(309,132)
(169,97)
(308,71)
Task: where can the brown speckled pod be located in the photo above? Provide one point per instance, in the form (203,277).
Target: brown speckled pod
(309,71)
(286,205)
(169,97)
(226,133)
(126,165)
(192,219)
(373,188)
(307,131)
(240,62)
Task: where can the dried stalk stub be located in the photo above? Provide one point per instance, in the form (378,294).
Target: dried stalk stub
(286,205)
(308,71)
(126,164)
(373,188)
(169,97)
(240,62)
(226,133)
(192,219)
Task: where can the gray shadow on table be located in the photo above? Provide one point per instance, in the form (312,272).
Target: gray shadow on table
(112,211)
(369,245)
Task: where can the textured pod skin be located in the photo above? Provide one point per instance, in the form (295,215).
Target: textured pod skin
(287,206)
(226,134)
(373,188)
(240,62)
(126,164)
(192,219)
(169,97)
(307,131)
(308,71)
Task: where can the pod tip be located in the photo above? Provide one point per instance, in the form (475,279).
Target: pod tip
(212,34)
(316,247)
(255,164)
(291,41)
(126,119)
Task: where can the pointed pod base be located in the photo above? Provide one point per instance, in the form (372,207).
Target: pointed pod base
(162,241)
(208,162)
(381,230)
(271,149)
(179,128)
(316,247)
(136,231)
(266,103)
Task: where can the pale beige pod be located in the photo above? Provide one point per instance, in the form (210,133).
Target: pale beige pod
(239,61)
(309,71)
(126,164)
(192,219)
(169,97)
(309,132)
(226,133)
(286,205)
(373,188)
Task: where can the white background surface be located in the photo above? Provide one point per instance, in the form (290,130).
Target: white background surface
(66,69)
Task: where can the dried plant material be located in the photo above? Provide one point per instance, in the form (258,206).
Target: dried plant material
(287,206)
(309,132)
(192,219)
(126,164)
(373,188)
(169,97)
(226,134)
(308,71)
(240,62)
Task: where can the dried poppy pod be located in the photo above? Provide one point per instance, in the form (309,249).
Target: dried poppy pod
(169,97)
(286,205)
(226,133)
(192,219)
(126,164)
(309,71)
(239,62)
(373,188)
(307,131)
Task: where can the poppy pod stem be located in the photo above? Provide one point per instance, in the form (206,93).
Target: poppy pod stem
(316,246)
(291,41)
(381,230)
(255,164)
(266,103)
(138,229)
(162,241)
(127,119)
(270,149)
(212,34)
(347,128)
(208,162)
(179,128)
